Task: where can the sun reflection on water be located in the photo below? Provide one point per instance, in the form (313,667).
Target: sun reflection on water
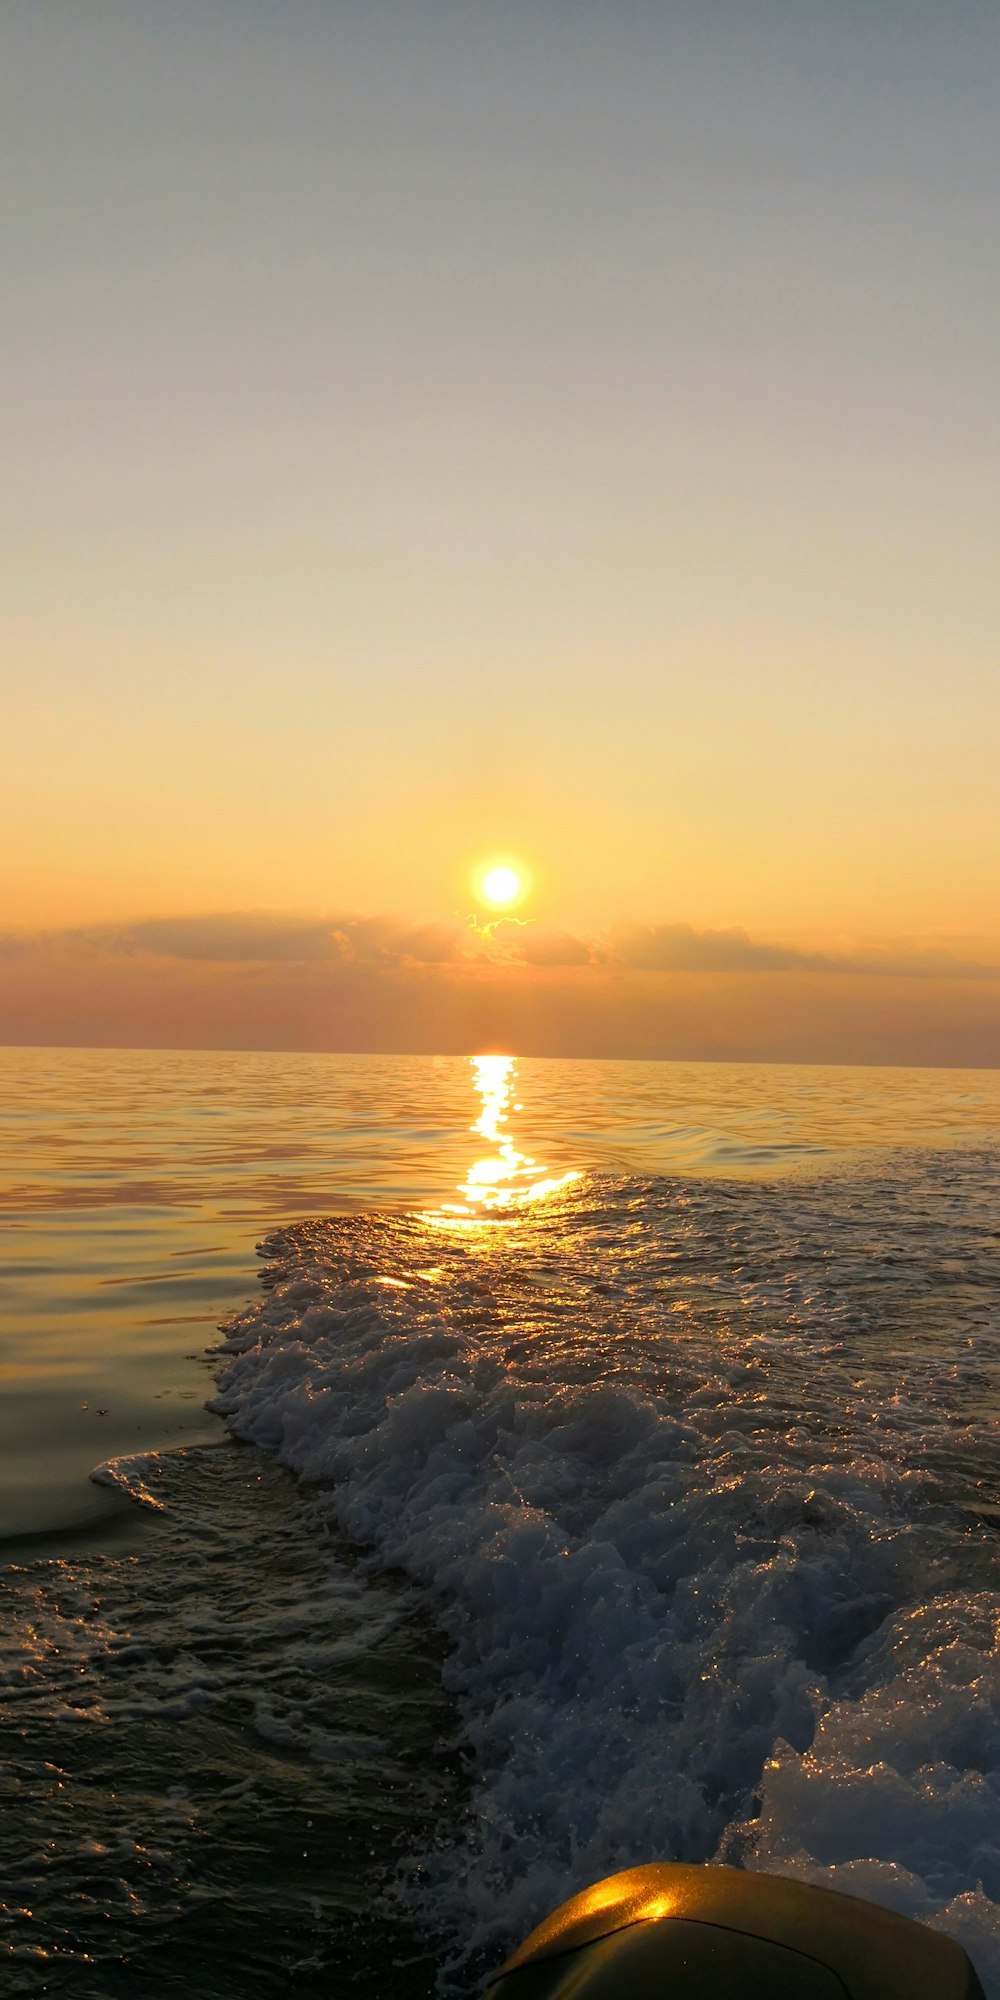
(505,1179)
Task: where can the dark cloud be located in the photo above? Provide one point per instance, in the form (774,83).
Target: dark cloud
(554,948)
(252,938)
(239,938)
(903,961)
(680,948)
(430,944)
(259,938)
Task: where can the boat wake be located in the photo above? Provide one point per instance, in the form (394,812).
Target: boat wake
(697,1479)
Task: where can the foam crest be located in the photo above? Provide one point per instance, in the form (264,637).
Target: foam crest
(137,1476)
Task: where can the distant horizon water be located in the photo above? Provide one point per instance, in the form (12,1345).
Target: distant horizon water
(469,1055)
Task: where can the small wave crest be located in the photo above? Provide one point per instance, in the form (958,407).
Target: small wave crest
(137,1477)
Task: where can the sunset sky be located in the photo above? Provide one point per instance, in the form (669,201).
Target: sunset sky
(566,432)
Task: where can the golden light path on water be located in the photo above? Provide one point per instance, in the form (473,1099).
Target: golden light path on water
(504,1180)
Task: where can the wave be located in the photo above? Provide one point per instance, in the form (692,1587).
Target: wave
(686,1471)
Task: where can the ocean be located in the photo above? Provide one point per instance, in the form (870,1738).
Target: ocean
(597,1463)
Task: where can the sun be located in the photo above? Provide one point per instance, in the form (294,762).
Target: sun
(501,884)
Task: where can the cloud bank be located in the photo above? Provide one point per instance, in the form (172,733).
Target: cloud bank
(268,938)
(270,980)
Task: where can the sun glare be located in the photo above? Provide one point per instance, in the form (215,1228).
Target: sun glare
(501,884)
(498,1187)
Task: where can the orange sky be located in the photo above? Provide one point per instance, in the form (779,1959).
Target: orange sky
(563,432)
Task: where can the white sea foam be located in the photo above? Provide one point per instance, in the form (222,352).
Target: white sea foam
(684,1469)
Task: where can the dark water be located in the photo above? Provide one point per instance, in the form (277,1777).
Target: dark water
(212,1766)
